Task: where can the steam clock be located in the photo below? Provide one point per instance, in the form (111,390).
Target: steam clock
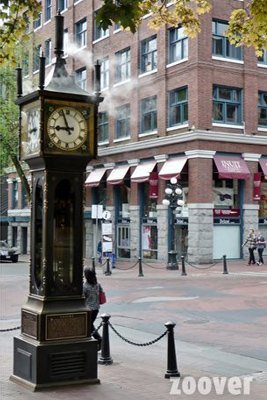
(57,140)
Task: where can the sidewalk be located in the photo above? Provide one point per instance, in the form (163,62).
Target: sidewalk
(139,306)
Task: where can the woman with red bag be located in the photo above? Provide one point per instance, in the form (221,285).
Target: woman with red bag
(92,291)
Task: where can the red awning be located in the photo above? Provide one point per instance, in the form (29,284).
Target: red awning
(117,175)
(263,164)
(142,171)
(231,167)
(93,180)
(172,168)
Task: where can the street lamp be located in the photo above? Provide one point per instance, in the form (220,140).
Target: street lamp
(174,200)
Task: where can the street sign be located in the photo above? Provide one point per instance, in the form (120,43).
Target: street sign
(106,215)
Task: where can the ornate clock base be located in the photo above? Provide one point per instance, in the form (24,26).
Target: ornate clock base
(41,365)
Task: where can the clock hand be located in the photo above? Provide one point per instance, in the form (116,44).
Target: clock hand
(64,128)
(66,122)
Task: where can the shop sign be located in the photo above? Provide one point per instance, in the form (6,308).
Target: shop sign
(220,212)
(257,186)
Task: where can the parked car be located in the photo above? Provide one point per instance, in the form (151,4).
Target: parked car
(8,253)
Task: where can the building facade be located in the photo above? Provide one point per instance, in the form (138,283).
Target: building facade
(195,109)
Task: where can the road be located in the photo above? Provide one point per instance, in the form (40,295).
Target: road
(221,320)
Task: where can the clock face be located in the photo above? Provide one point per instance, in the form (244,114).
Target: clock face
(30,130)
(67,128)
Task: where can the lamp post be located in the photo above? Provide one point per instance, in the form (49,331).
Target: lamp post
(174,200)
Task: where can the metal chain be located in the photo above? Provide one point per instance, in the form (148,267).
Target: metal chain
(126,269)
(150,266)
(97,329)
(208,267)
(10,329)
(137,344)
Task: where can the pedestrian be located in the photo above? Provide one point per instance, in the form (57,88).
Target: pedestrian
(91,290)
(99,252)
(251,243)
(261,244)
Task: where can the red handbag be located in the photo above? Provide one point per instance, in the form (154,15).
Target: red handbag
(102,298)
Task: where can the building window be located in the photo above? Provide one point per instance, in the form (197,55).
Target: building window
(178,45)
(123,65)
(48,51)
(36,58)
(262,109)
(80,78)
(104,73)
(81,33)
(178,107)
(37,22)
(66,42)
(62,5)
(149,54)
(24,198)
(99,32)
(221,46)
(148,114)
(15,194)
(226,105)
(123,122)
(48,10)
(263,59)
(103,127)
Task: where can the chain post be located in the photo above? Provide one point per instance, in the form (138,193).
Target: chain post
(183,266)
(93,264)
(225,270)
(171,354)
(105,349)
(140,267)
(108,271)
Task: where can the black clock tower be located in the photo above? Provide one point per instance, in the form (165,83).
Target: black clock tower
(57,140)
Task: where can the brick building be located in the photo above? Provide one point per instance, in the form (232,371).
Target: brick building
(195,109)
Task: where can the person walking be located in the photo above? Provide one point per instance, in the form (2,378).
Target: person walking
(261,244)
(91,290)
(251,243)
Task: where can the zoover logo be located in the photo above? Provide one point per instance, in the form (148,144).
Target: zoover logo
(205,385)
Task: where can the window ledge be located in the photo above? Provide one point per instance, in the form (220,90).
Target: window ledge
(104,143)
(262,65)
(77,2)
(230,60)
(224,125)
(122,139)
(174,128)
(148,73)
(148,133)
(122,82)
(262,129)
(47,22)
(100,39)
(177,62)
(117,30)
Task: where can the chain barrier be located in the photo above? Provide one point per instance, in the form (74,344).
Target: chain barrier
(151,266)
(134,343)
(97,329)
(126,269)
(202,268)
(10,329)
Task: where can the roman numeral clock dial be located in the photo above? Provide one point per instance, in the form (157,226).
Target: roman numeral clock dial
(67,128)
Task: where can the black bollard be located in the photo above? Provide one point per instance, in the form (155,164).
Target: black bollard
(183,266)
(108,271)
(93,264)
(171,356)
(140,267)
(225,270)
(105,350)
